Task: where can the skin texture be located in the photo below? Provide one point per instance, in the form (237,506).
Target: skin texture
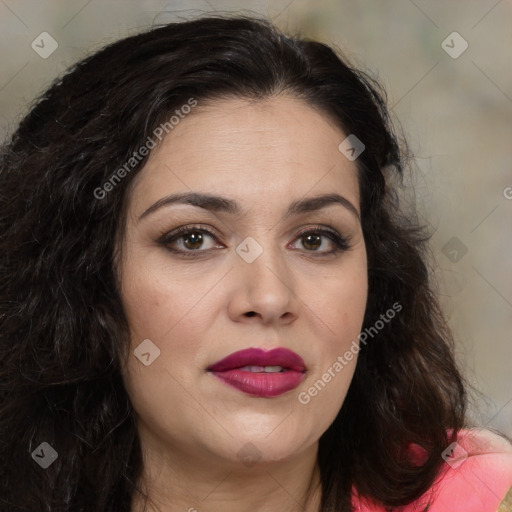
(193,428)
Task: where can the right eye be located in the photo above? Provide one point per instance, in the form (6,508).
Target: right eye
(189,239)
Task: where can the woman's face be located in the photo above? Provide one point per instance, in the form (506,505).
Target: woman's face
(262,276)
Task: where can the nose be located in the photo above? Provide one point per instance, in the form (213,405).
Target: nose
(264,290)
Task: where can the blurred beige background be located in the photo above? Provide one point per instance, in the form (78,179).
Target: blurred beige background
(454,103)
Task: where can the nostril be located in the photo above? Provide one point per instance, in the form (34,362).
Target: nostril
(251,313)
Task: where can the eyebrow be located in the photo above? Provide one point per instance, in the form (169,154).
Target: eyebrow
(223,204)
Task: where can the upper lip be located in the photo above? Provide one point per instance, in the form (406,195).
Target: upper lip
(259,357)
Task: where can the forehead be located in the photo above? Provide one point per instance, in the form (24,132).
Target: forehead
(253,149)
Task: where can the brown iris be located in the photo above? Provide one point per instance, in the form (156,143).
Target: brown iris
(314,240)
(197,240)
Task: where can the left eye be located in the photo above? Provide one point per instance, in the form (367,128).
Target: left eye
(312,240)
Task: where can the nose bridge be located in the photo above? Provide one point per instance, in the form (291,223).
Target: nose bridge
(266,280)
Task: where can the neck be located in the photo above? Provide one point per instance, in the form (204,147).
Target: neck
(178,481)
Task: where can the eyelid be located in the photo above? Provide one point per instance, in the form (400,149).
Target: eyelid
(342,242)
(168,236)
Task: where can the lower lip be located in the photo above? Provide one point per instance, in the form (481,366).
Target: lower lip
(261,384)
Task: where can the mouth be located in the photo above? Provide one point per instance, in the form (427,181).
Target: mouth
(262,373)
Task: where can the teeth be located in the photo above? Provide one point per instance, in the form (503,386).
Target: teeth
(263,369)
(273,369)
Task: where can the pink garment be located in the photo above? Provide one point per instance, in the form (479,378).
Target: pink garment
(475,478)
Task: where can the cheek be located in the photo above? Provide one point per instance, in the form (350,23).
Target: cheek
(338,311)
(166,308)
(350,305)
(161,299)
(340,303)
(172,316)
(322,394)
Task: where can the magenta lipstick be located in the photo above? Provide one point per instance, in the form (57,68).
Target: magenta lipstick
(263,373)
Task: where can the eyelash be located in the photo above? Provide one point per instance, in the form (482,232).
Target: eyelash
(341,242)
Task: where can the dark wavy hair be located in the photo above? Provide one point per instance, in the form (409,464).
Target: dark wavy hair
(63,333)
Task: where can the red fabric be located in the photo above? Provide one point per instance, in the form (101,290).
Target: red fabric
(476,476)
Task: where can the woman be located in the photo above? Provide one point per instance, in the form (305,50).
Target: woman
(211,299)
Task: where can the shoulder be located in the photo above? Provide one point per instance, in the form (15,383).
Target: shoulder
(476,477)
